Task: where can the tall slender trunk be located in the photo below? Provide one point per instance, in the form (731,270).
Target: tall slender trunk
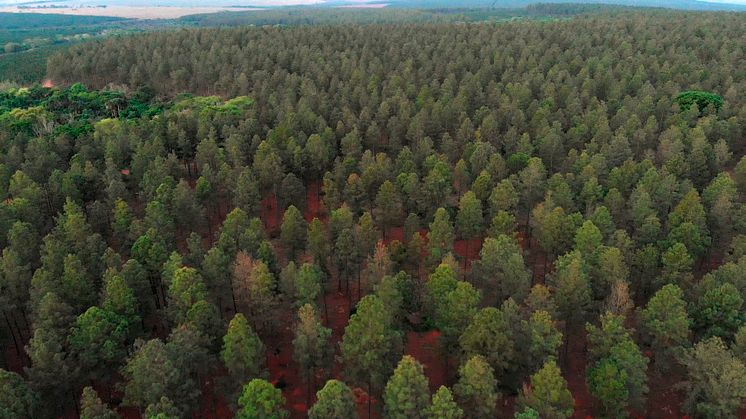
(154,293)
(163,294)
(359,296)
(349,294)
(12,333)
(75,403)
(445,367)
(18,328)
(370,394)
(567,342)
(308,390)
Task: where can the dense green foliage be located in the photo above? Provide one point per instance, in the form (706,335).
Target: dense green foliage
(392,15)
(356,190)
(701,99)
(28,39)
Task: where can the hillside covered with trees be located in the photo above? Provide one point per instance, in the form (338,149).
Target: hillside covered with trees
(434,220)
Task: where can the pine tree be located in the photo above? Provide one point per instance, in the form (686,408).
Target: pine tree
(440,236)
(318,242)
(665,322)
(261,400)
(254,287)
(346,255)
(501,267)
(311,348)
(243,351)
(607,383)
(91,406)
(476,390)
(17,400)
(718,312)
(490,336)
(406,394)
(163,409)
(469,219)
(388,208)
(293,231)
(98,339)
(443,406)
(370,346)
(548,394)
(716,385)
(187,287)
(334,401)
(149,373)
(308,284)
(571,287)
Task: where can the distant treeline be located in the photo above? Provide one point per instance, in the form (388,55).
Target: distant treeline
(9,21)
(393,15)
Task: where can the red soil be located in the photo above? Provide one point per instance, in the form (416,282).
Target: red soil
(128,412)
(282,368)
(574,364)
(394,233)
(213,404)
(313,202)
(665,399)
(14,362)
(424,347)
(268,213)
(468,249)
(47,83)
(535,258)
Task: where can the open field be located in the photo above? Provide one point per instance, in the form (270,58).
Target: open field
(155,12)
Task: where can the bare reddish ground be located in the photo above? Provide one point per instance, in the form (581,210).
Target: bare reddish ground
(522,239)
(47,83)
(468,249)
(282,369)
(423,346)
(665,400)
(14,361)
(338,308)
(314,207)
(712,263)
(574,372)
(268,213)
(394,233)
(213,404)
(127,412)
(506,407)
(535,258)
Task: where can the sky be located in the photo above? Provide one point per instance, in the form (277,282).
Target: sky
(222,3)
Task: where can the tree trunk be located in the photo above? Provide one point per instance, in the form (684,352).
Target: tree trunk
(359,296)
(75,403)
(445,367)
(567,342)
(233,296)
(18,328)
(12,334)
(370,395)
(154,292)
(349,294)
